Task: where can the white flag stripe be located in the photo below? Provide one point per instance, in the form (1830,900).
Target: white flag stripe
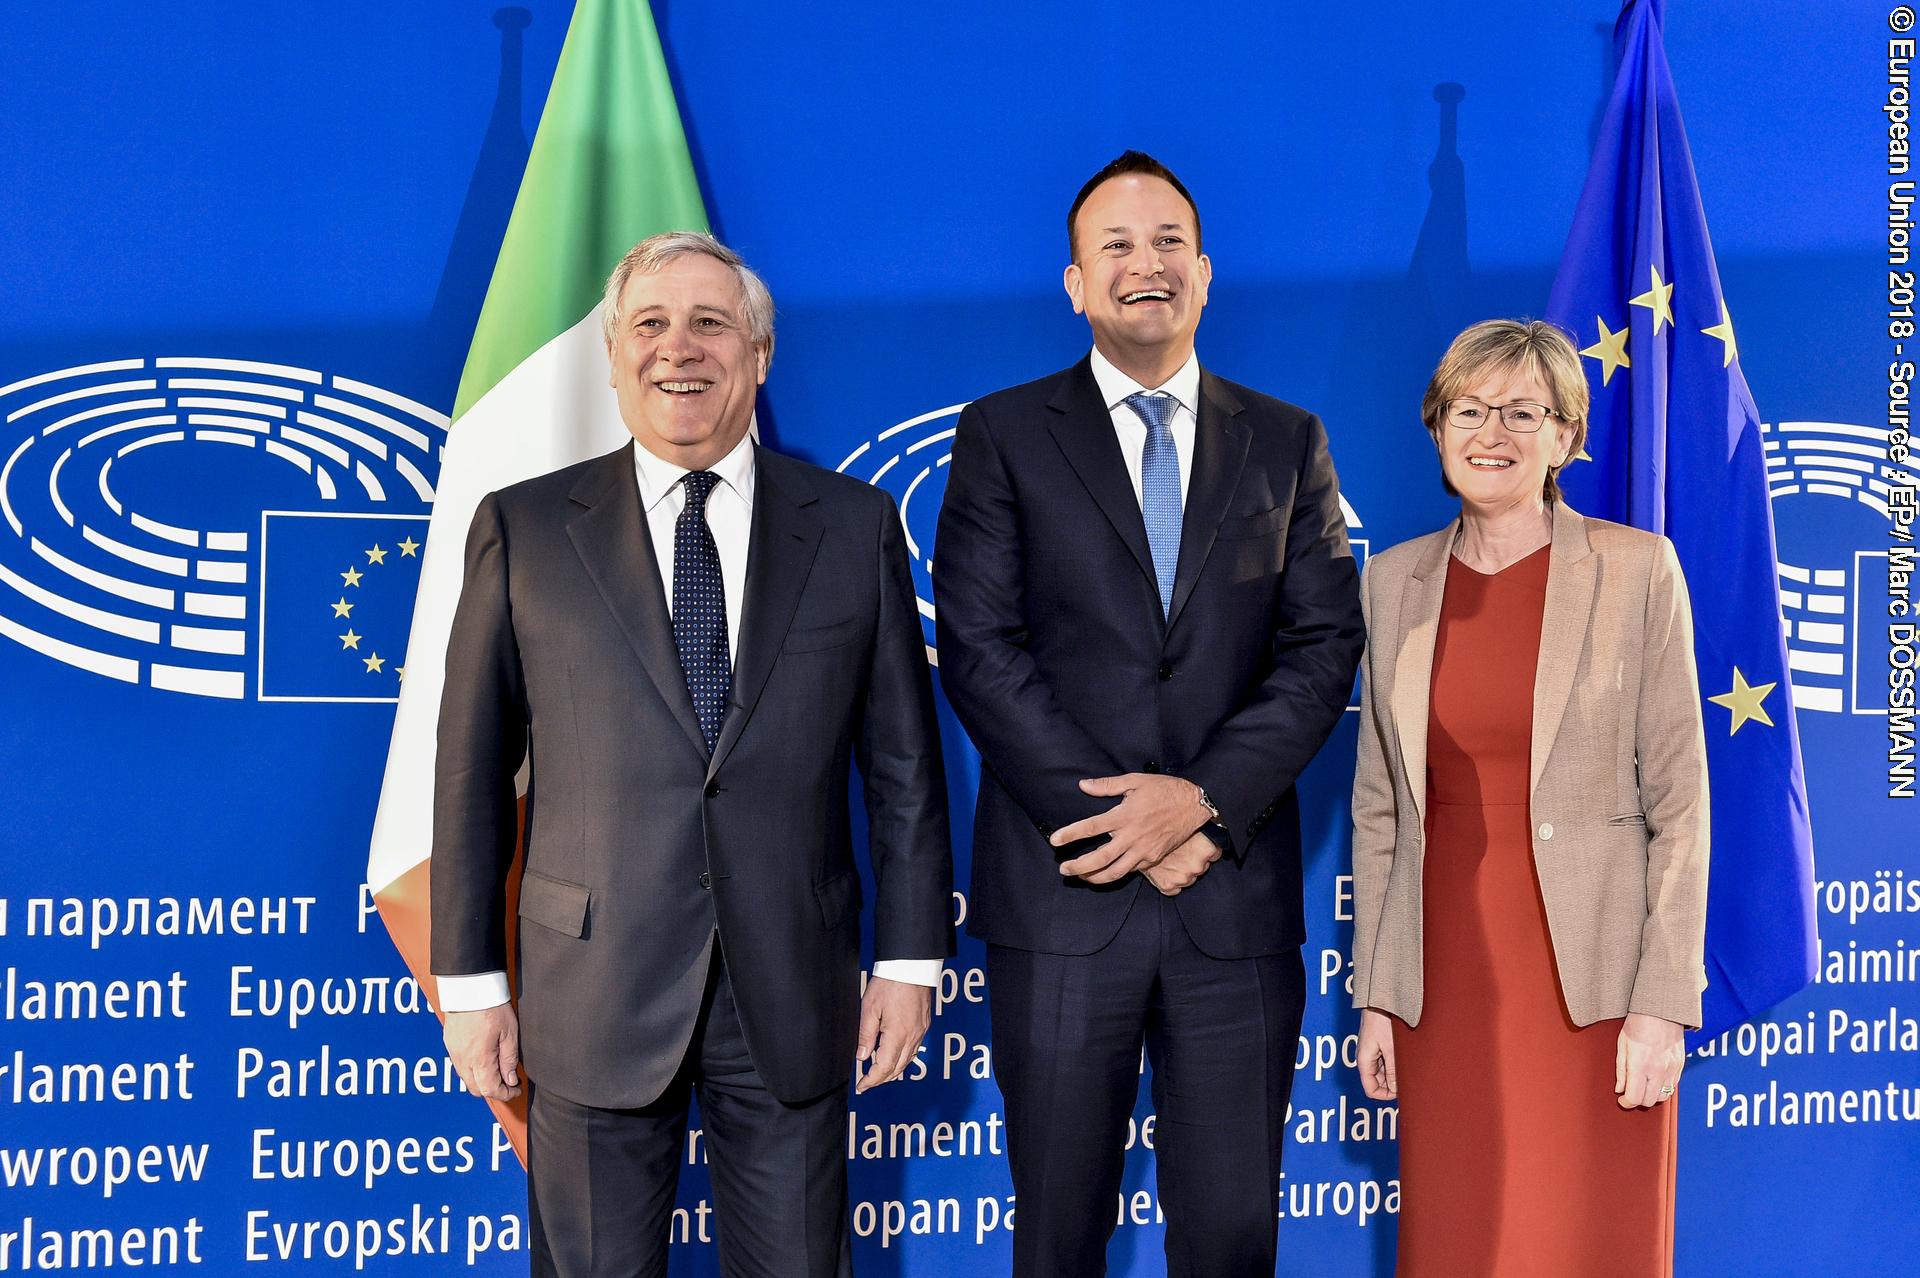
(553,409)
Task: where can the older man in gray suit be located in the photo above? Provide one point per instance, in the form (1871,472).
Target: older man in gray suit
(689,641)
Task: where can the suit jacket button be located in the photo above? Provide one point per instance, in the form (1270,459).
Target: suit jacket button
(1546,831)
(1153,765)
(1045,829)
(1166,672)
(706,881)
(713,788)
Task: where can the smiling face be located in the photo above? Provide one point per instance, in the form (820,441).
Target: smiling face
(1494,469)
(684,364)
(1137,274)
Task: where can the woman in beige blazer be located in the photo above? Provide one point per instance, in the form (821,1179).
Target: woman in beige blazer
(1529,843)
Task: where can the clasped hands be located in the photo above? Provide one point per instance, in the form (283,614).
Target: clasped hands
(1155,829)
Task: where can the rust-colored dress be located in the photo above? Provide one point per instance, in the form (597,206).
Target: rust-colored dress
(1514,1158)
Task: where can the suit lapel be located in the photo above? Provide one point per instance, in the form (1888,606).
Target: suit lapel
(610,536)
(1084,432)
(1571,579)
(1219,454)
(1413,668)
(780,553)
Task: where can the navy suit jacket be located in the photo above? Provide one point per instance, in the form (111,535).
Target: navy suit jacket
(1054,651)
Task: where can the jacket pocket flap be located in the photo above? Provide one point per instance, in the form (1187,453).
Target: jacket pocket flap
(814,638)
(1628,818)
(551,903)
(839,898)
(1260,525)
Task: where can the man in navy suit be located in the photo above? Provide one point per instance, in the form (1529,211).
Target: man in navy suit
(1148,620)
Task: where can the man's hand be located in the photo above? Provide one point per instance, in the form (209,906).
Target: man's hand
(1181,868)
(894,1017)
(1647,1060)
(485,1047)
(1155,814)
(1378,1078)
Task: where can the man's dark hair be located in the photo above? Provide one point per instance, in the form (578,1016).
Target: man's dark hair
(1130,162)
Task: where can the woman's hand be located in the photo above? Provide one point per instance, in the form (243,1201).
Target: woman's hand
(1646,1064)
(1377,1076)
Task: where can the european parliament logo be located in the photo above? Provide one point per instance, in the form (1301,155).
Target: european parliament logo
(1825,480)
(215,527)
(909,459)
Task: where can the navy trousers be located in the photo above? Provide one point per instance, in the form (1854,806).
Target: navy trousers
(1220,1036)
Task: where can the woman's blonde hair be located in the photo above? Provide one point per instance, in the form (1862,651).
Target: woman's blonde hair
(1535,348)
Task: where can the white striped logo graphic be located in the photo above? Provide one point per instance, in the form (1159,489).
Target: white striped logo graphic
(133,494)
(1829,492)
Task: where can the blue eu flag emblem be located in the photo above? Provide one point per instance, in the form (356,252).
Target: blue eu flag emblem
(1676,447)
(336,601)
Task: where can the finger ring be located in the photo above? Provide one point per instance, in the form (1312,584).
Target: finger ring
(1667,1090)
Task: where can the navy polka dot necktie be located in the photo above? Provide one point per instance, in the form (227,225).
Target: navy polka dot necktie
(700,609)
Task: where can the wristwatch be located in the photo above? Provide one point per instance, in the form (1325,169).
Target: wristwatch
(1215,828)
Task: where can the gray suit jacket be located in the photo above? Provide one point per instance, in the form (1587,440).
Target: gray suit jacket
(1619,773)
(638,845)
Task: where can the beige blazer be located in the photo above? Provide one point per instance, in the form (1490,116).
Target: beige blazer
(1619,774)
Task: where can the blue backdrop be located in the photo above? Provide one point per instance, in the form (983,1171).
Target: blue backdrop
(321,189)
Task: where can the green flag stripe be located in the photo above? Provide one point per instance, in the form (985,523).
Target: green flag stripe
(609,166)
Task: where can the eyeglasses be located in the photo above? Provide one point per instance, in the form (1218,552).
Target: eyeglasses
(1520,416)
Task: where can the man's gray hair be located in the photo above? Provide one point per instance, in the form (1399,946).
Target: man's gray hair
(653,253)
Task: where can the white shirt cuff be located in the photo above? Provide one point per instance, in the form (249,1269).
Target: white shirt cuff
(489,989)
(909,971)
(473,993)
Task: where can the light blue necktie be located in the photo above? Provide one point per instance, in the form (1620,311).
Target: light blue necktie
(1160,489)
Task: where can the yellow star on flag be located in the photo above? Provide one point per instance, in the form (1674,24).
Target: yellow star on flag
(374,663)
(1745,701)
(350,639)
(1610,350)
(409,548)
(341,608)
(401,671)
(351,576)
(1658,299)
(1724,331)
(377,555)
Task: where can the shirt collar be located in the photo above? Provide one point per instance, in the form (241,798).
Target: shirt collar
(1115,385)
(658,476)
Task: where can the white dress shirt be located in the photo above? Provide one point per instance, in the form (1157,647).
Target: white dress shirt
(730,520)
(1183,386)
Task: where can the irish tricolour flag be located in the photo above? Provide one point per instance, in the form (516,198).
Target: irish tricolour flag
(609,166)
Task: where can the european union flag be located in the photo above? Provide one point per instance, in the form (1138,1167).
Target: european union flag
(1676,448)
(336,600)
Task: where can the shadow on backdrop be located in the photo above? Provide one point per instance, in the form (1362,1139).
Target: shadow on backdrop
(489,203)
